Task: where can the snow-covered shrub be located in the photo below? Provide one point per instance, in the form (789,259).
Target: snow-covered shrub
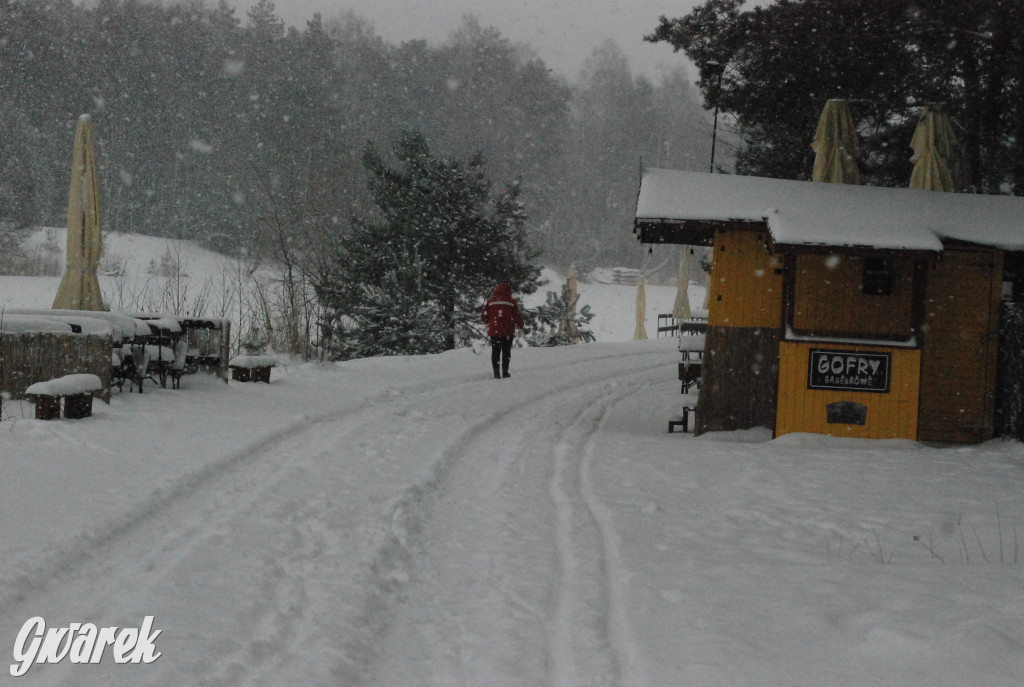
(557,322)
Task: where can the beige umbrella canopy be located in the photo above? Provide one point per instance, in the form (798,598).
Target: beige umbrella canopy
(574,296)
(936,153)
(681,307)
(80,289)
(835,146)
(640,332)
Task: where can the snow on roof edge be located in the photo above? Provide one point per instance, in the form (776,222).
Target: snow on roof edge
(839,215)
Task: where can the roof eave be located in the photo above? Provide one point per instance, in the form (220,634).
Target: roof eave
(851,249)
(690,232)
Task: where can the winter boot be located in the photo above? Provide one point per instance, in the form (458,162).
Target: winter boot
(504,373)
(497,375)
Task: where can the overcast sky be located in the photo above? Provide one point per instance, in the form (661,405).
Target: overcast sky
(563,32)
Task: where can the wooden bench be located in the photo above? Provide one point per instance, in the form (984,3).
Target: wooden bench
(76,390)
(689,375)
(682,421)
(691,346)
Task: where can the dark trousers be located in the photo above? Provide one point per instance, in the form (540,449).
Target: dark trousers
(501,349)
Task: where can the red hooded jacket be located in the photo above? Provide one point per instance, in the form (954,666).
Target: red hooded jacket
(501,313)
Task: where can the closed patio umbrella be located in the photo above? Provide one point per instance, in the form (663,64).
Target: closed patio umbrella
(681,307)
(80,289)
(936,153)
(835,146)
(574,295)
(640,332)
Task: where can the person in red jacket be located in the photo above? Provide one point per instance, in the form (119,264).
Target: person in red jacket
(501,313)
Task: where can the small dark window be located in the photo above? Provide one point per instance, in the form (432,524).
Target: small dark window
(878,277)
(846,413)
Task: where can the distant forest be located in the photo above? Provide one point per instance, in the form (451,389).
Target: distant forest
(233,131)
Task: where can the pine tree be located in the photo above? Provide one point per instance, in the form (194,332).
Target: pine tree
(558,322)
(425,260)
(390,318)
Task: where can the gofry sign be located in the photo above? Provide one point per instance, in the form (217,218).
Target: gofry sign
(849,370)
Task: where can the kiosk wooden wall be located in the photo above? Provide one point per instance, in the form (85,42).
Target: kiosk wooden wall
(961,344)
(739,385)
(829,299)
(890,415)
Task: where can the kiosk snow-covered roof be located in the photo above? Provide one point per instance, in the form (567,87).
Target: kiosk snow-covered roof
(673,204)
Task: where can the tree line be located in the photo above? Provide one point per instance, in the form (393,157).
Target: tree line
(247,135)
(771,69)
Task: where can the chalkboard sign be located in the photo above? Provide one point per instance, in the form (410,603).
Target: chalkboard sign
(849,371)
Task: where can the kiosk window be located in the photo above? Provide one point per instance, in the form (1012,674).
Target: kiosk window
(878,277)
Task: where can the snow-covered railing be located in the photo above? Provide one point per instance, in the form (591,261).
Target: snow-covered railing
(625,275)
(120,325)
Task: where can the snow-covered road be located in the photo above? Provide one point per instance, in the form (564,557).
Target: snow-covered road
(400,538)
(410,521)
(518,570)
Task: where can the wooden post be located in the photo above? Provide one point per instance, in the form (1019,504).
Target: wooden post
(47,407)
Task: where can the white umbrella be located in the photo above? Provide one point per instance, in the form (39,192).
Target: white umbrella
(641,311)
(681,307)
(80,289)
(936,153)
(835,146)
(574,295)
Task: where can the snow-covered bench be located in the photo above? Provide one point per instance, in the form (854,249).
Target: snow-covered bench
(251,368)
(75,389)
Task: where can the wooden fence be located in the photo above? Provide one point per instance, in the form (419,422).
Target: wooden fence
(27,358)
(625,276)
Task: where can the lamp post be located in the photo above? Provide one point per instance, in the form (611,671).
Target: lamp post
(714,127)
(720,68)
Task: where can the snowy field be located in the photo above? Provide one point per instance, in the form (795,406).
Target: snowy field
(144,273)
(411,521)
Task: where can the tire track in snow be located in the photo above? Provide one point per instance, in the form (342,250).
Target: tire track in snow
(49,567)
(207,503)
(629,660)
(414,509)
(208,507)
(592,588)
(484,600)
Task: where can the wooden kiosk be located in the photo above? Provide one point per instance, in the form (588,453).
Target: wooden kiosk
(846,310)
